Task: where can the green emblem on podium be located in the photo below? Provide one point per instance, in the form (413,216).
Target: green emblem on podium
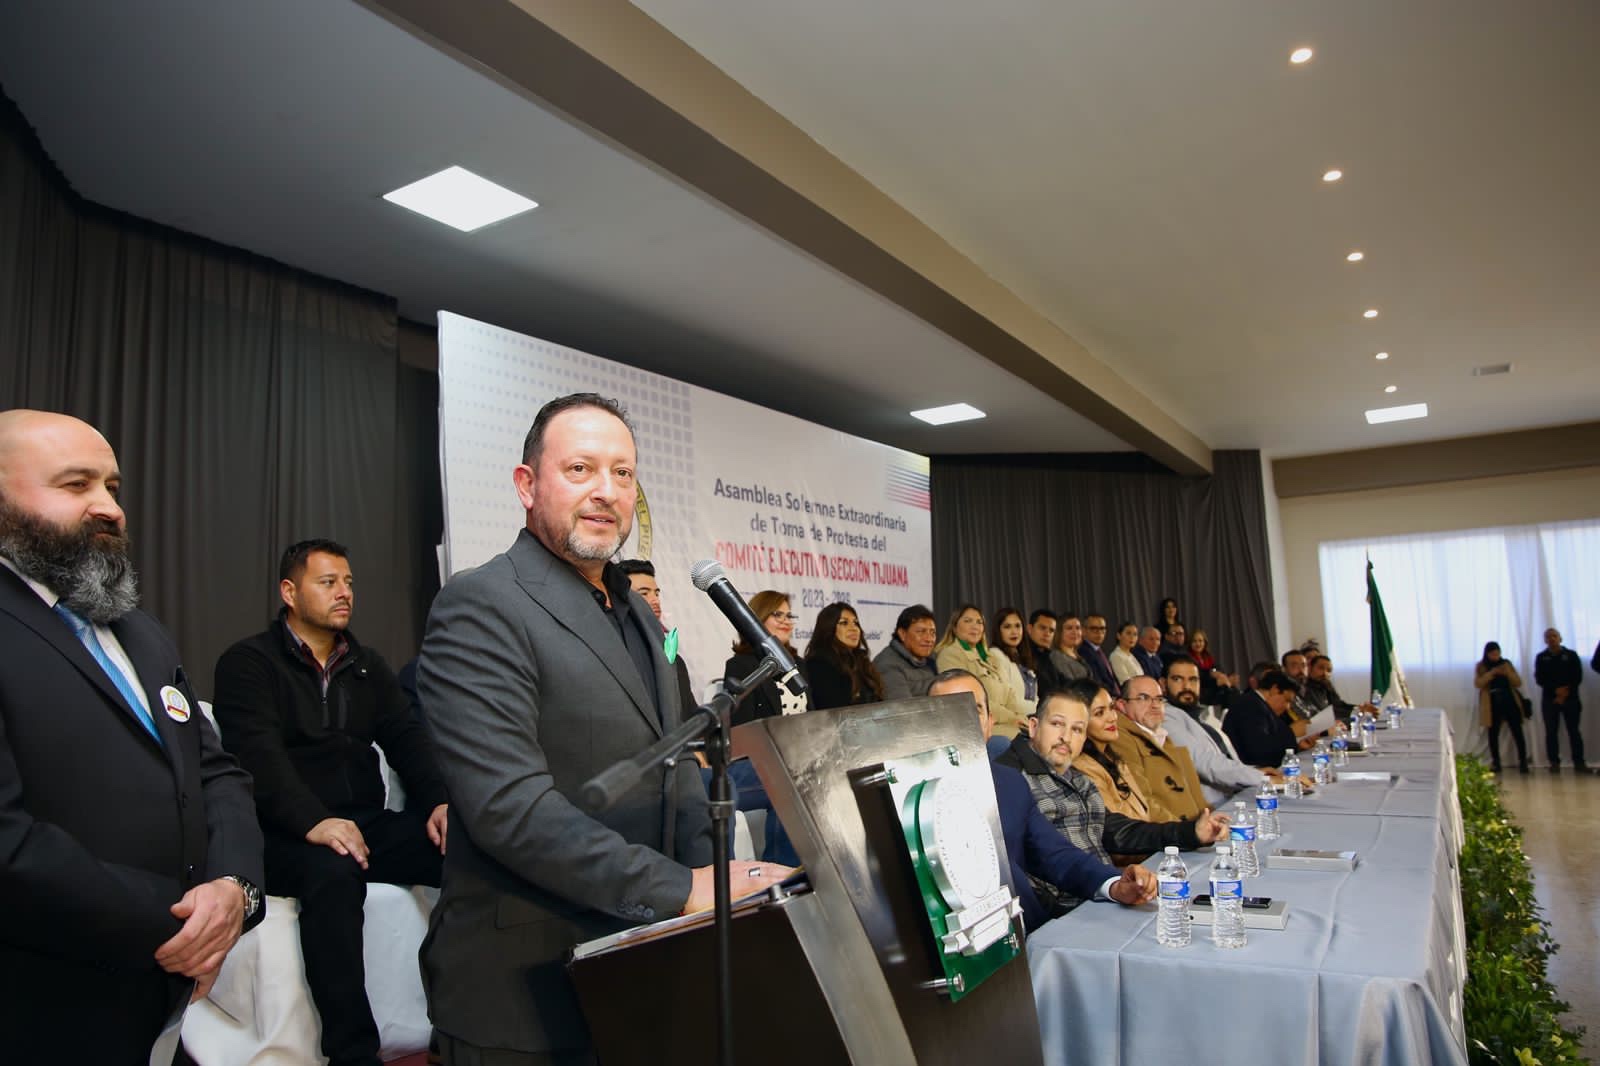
(957,862)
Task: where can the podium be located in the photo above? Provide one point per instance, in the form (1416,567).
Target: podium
(849,971)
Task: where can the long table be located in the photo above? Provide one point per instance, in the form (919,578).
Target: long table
(1369,969)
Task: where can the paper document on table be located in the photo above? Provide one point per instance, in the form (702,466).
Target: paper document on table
(1321,722)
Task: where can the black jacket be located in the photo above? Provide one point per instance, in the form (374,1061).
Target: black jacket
(1044,671)
(1259,736)
(764,702)
(102,830)
(1552,669)
(311,756)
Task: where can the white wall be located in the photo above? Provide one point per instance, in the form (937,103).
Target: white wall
(1307,521)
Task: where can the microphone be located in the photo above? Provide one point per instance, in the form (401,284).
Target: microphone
(708,577)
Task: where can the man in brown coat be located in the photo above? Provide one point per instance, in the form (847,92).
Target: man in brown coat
(1163,767)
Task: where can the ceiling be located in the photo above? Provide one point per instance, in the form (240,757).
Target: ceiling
(1144,175)
(1148,174)
(277,127)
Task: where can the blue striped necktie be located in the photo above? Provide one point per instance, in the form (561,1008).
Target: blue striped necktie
(125,685)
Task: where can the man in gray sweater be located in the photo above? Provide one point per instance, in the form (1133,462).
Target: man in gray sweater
(906,664)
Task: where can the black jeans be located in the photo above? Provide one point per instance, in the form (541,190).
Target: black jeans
(1553,715)
(455,1052)
(332,889)
(1508,714)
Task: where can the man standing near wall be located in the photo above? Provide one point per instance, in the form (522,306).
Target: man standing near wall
(1558,672)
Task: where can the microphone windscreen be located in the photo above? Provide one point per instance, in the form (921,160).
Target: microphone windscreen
(705,572)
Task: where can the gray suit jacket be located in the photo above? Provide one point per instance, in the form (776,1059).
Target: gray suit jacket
(529,692)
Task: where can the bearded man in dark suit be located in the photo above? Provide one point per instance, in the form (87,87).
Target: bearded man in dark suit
(129,851)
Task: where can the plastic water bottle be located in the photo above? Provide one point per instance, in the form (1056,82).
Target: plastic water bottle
(1341,745)
(1291,774)
(1242,837)
(1267,811)
(1321,758)
(1369,732)
(1227,901)
(1172,919)
(1394,716)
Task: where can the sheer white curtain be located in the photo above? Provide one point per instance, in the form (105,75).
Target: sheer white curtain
(1448,593)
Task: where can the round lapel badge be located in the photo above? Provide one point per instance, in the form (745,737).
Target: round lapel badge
(176,703)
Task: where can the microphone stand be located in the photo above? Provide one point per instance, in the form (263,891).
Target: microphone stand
(710,722)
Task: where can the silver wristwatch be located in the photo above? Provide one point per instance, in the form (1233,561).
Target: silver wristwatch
(252,895)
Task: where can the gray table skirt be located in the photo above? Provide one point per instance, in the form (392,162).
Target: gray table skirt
(1369,969)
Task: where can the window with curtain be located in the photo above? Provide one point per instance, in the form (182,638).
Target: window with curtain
(1446,594)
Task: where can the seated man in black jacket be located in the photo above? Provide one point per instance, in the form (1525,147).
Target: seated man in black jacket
(1258,724)
(300,706)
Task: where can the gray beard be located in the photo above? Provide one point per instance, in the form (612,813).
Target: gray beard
(580,550)
(95,582)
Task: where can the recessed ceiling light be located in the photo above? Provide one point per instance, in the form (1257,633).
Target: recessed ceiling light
(1332,175)
(459,198)
(1371,312)
(1355,257)
(950,412)
(1397,414)
(1381,356)
(1300,55)
(1391,388)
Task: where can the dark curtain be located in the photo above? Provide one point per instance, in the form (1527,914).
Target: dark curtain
(1036,532)
(250,406)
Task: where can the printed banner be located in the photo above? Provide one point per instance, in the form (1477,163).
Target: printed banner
(781,503)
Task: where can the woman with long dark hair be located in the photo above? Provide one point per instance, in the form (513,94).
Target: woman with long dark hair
(1118,787)
(1007,633)
(1167,615)
(1500,703)
(838,666)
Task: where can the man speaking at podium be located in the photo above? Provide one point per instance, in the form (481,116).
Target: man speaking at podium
(540,669)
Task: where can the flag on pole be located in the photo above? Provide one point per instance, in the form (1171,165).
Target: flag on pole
(1385,667)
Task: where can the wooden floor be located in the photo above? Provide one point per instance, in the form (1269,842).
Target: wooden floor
(1560,819)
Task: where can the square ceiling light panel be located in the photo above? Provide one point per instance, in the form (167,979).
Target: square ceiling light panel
(950,412)
(461,199)
(1397,414)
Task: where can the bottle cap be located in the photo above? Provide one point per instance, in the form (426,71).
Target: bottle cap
(1172,849)
(1223,849)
